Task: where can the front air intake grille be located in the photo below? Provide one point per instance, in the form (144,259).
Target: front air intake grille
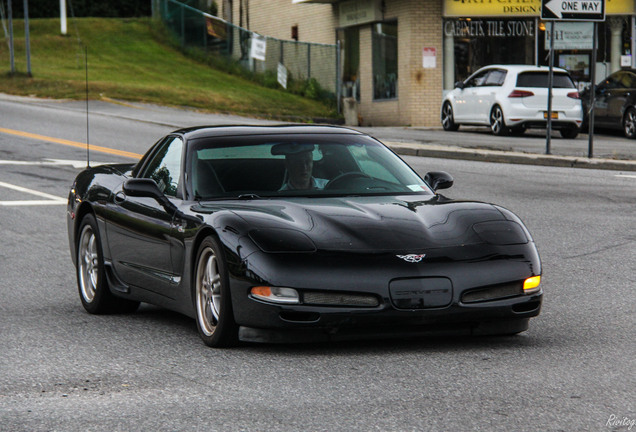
(493,292)
(321,298)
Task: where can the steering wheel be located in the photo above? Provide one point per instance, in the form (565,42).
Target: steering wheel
(339,180)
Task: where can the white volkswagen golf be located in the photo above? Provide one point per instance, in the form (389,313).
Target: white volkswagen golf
(513,98)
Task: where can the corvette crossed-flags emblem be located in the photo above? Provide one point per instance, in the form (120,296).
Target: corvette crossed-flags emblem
(412,258)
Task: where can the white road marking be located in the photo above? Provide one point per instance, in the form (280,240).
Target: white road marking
(626,175)
(56,162)
(50,199)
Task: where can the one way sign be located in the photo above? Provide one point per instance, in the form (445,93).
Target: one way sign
(573,10)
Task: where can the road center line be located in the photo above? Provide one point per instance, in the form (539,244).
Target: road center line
(71,143)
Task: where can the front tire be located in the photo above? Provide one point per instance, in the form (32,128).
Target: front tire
(214,315)
(629,123)
(448,119)
(91,276)
(497,122)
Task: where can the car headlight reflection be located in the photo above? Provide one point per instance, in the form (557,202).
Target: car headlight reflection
(276,294)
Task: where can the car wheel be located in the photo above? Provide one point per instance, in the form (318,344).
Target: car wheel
(448,120)
(570,133)
(629,123)
(215,319)
(497,123)
(91,278)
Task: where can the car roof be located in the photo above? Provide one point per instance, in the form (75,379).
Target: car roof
(252,130)
(523,68)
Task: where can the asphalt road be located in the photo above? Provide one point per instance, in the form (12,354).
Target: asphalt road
(64,370)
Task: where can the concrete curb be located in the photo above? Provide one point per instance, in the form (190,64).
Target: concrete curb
(453,152)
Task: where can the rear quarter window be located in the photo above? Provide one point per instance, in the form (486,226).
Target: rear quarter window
(540,79)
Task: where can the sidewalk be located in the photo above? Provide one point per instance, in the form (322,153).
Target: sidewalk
(610,150)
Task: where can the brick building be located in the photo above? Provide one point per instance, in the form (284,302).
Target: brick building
(397,57)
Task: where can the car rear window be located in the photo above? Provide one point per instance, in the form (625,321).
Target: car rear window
(540,79)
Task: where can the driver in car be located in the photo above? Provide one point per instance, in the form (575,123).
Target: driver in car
(299,163)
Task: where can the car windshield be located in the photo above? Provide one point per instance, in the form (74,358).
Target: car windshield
(540,79)
(297,165)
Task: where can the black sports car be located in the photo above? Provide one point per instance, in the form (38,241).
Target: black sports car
(297,233)
(614,102)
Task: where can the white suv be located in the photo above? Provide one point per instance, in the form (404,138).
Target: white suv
(512,98)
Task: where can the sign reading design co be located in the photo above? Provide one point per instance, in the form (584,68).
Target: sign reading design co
(489,28)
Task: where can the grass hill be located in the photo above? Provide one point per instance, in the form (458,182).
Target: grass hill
(129,60)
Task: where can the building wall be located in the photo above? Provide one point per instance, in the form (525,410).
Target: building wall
(419,89)
(316,22)
(419,26)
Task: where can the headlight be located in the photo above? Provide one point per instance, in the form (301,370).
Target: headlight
(281,240)
(500,232)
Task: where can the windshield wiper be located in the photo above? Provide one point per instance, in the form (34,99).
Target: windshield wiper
(250,196)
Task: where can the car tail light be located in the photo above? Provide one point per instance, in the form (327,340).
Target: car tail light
(574,95)
(520,94)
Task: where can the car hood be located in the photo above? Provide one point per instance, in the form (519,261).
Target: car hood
(371,224)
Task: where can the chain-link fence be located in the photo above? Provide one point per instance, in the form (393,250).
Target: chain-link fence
(257,53)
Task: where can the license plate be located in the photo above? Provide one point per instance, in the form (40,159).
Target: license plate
(555,115)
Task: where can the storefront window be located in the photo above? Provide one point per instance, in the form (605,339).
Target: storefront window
(483,42)
(385,60)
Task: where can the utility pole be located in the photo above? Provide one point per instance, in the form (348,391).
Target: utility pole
(27,39)
(11,54)
(63,17)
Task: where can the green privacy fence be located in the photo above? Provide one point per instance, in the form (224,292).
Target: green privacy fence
(301,60)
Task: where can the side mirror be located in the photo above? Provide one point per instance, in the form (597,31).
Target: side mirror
(460,85)
(142,187)
(438,180)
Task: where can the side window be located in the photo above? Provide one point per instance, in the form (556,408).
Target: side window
(477,80)
(495,78)
(165,166)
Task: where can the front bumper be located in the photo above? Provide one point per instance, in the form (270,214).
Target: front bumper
(507,316)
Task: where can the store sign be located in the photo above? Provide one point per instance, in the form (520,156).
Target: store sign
(571,36)
(489,28)
(356,12)
(494,8)
(429,58)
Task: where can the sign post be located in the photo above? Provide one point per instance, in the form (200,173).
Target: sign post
(572,10)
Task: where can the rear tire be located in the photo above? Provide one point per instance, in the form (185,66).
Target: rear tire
(570,133)
(213,302)
(629,123)
(497,122)
(91,276)
(448,119)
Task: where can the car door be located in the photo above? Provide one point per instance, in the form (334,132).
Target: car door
(610,97)
(140,229)
(467,99)
(487,94)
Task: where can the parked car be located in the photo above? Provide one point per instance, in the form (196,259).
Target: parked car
(268,234)
(614,102)
(513,98)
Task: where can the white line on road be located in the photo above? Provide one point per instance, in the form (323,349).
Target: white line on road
(626,175)
(50,199)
